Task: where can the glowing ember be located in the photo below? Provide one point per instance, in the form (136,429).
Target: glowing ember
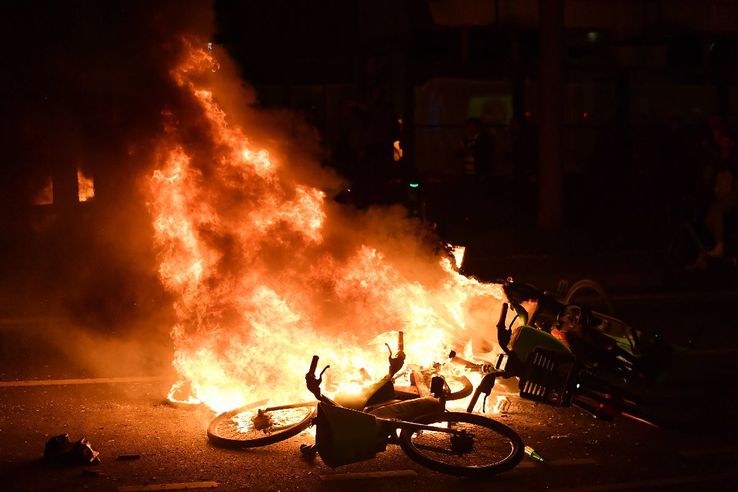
(267,271)
(397,152)
(85,187)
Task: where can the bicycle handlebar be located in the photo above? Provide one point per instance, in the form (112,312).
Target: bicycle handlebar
(519,293)
(503,333)
(398,360)
(312,382)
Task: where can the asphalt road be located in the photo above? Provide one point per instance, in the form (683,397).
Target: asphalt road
(126,416)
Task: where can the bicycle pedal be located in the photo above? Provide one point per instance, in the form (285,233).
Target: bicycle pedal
(308,451)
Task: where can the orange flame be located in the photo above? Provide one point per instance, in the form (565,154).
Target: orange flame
(85,187)
(267,273)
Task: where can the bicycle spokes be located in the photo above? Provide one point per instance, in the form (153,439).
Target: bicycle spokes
(468,444)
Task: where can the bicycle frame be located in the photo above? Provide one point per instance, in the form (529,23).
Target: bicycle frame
(345,435)
(592,361)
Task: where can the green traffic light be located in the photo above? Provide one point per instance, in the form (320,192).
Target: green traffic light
(414,185)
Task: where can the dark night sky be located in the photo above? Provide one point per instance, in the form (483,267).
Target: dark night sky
(84,73)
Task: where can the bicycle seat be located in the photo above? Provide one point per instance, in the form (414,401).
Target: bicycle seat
(379,392)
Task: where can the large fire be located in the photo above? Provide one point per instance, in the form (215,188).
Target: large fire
(268,271)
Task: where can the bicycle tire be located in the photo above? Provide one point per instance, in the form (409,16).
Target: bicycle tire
(226,431)
(463,464)
(463,392)
(588,284)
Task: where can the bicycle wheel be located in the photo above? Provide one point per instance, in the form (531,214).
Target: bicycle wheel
(250,426)
(458,388)
(487,446)
(591,293)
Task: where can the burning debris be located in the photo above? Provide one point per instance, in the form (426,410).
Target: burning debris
(59,450)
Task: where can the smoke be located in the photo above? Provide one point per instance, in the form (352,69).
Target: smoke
(249,259)
(266,269)
(84,87)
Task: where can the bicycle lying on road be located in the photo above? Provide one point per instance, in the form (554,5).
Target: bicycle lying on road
(256,424)
(456,443)
(357,427)
(565,353)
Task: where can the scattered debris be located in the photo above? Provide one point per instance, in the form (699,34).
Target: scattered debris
(59,450)
(128,457)
(370,475)
(168,486)
(533,454)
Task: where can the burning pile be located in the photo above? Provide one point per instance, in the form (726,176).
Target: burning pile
(268,271)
